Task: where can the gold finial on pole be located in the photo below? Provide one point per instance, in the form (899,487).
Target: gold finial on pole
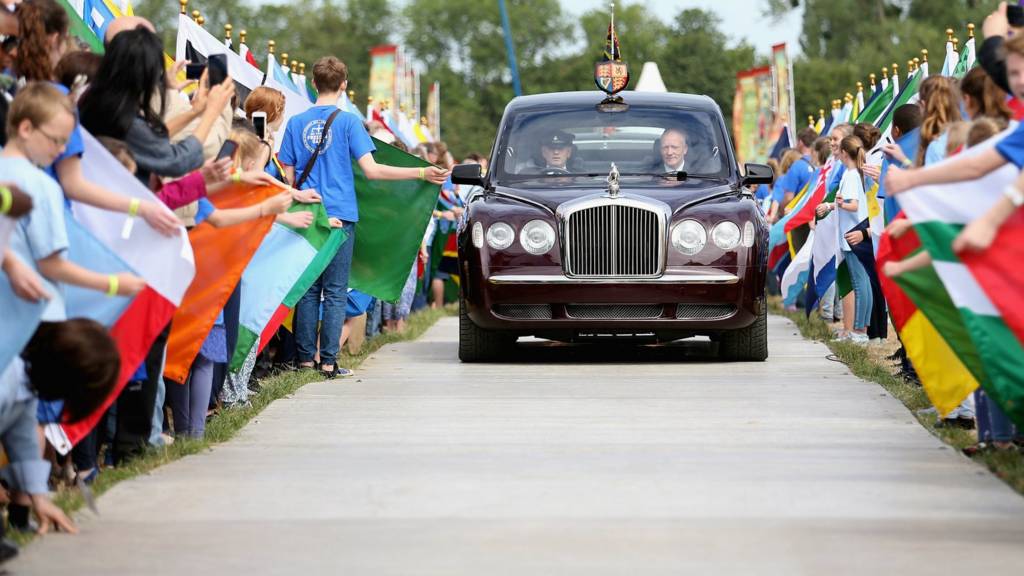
(352,95)
(810,121)
(302,68)
(423,120)
(227,32)
(895,69)
(956,44)
(885,72)
(241,36)
(821,113)
(271,45)
(924,55)
(872,78)
(970,31)
(201,20)
(295,66)
(195,16)
(284,58)
(184,6)
(949,34)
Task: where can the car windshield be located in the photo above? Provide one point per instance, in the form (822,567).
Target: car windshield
(579,146)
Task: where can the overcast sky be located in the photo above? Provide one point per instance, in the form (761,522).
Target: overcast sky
(740,18)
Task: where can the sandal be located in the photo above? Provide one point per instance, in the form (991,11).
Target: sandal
(337,372)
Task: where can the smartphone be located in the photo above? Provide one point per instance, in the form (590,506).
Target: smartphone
(194,71)
(1015,15)
(259,121)
(218,65)
(227,150)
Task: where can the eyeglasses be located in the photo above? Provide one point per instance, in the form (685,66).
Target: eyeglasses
(58,142)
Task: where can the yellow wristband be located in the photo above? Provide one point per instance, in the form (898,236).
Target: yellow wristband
(6,200)
(907,163)
(112,285)
(423,173)
(133,208)
(236,176)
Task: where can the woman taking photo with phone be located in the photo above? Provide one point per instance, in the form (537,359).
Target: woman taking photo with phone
(265,109)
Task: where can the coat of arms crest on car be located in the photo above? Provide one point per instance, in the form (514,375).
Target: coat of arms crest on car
(611,74)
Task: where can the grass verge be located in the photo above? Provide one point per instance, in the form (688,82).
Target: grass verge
(223,426)
(1008,466)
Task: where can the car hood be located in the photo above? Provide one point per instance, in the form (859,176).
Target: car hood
(677,197)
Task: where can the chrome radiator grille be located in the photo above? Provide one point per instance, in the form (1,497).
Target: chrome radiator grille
(613,240)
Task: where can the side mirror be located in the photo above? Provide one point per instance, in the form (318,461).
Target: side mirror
(758,174)
(468,174)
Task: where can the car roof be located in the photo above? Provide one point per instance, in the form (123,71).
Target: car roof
(592,98)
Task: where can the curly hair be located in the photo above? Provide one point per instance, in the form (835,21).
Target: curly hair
(940,99)
(37,20)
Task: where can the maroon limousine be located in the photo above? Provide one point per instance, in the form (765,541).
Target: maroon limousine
(612,218)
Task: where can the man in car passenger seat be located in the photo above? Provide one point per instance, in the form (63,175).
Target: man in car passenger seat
(556,150)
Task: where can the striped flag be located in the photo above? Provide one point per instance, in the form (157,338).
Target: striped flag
(799,212)
(165,263)
(286,264)
(984,288)
(967,59)
(194,43)
(944,377)
(221,256)
(795,278)
(826,257)
(906,96)
(878,104)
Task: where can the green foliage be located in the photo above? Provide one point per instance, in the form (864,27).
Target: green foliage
(843,41)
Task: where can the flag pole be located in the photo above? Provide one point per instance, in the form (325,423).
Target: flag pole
(184,7)
(510,49)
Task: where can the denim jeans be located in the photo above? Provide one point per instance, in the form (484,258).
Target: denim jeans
(993,424)
(190,401)
(861,290)
(333,285)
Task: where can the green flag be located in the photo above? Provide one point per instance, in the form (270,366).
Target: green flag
(80,30)
(878,105)
(966,60)
(908,94)
(393,216)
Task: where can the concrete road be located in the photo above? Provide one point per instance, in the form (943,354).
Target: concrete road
(631,464)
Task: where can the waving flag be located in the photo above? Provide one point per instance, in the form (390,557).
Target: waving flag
(878,104)
(967,58)
(295,103)
(795,278)
(944,377)
(907,96)
(952,59)
(799,212)
(287,262)
(393,216)
(985,288)
(165,263)
(80,28)
(826,258)
(221,256)
(346,104)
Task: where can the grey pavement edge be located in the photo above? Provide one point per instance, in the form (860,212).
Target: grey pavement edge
(555,465)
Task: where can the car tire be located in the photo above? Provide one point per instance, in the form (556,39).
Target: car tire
(479,345)
(748,344)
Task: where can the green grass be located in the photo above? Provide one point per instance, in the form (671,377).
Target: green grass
(223,426)
(1007,466)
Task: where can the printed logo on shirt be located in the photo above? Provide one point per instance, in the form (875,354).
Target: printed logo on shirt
(313,133)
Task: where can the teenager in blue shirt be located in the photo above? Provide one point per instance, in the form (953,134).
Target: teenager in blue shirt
(798,175)
(332,177)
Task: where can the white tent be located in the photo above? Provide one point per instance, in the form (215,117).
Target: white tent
(650,79)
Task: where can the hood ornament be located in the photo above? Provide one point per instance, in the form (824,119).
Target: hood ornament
(613,182)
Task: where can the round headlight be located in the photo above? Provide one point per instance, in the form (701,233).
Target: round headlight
(689,237)
(500,236)
(537,237)
(748,234)
(478,235)
(726,235)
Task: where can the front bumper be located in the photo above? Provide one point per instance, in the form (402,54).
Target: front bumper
(693,300)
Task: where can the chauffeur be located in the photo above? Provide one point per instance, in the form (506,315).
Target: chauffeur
(556,150)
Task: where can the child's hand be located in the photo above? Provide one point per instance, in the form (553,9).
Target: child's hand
(976,237)
(160,218)
(300,220)
(435,175)
(50,515)
(278,204)
(309,196)
(259,178)
(129,284)
(336,223)
(898,228)
(25,283)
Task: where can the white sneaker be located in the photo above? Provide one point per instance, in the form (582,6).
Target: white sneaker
(858,338)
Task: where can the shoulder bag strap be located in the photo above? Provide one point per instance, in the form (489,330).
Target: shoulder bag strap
(319,148)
